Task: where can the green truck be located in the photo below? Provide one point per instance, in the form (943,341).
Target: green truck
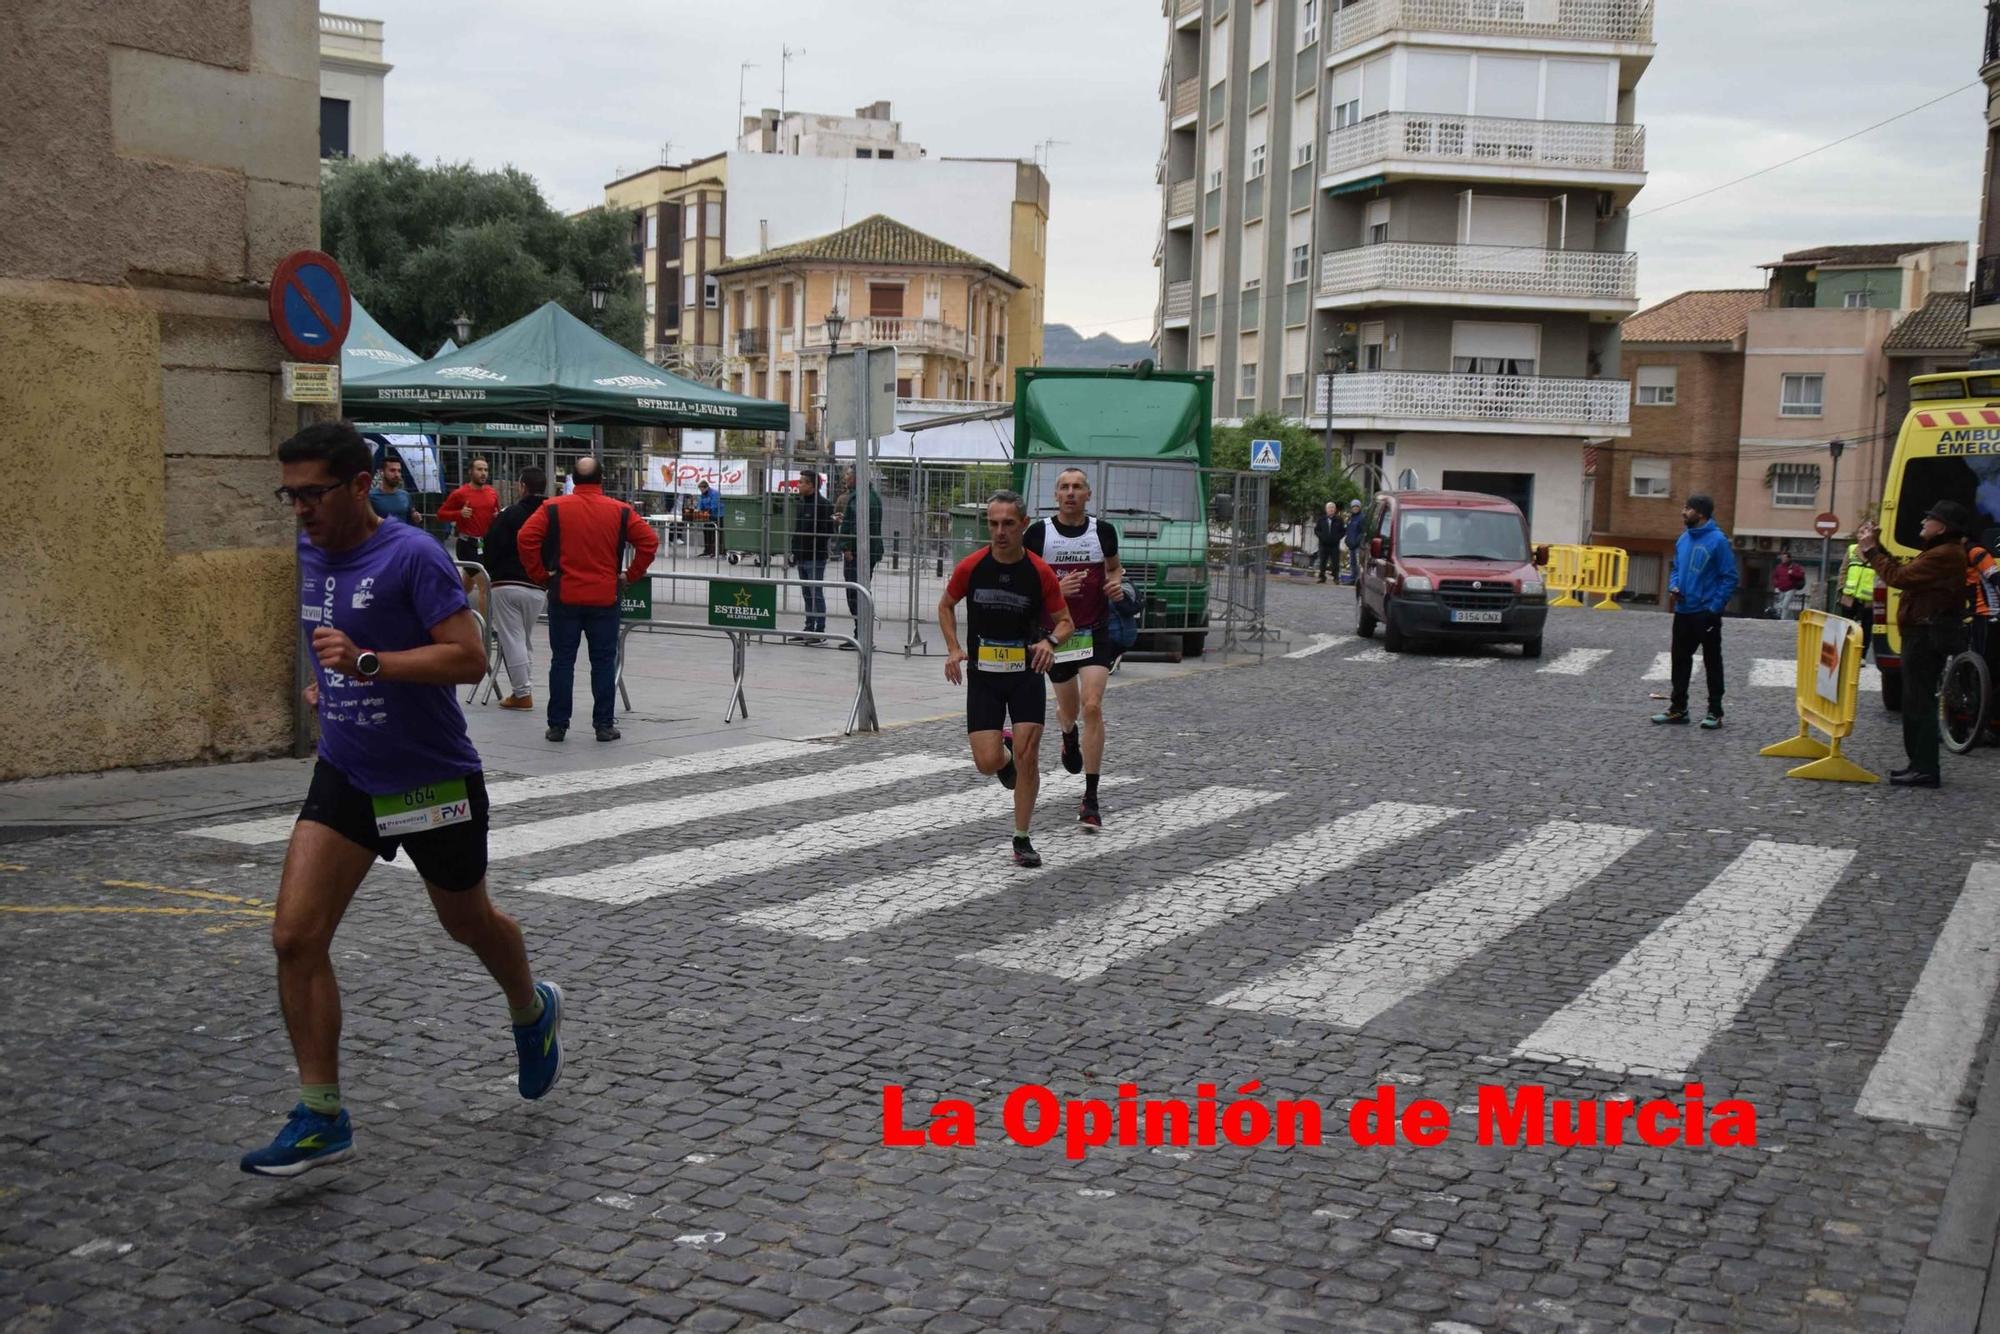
(1143,437)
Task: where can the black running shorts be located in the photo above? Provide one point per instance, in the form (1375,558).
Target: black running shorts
(452,857)
(468,549)
(992,699)
(1101,655)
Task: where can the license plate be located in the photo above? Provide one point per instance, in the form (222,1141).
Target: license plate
(1476,617)
(422,808)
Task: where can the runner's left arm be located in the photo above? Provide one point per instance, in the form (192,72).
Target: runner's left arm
(1114,569)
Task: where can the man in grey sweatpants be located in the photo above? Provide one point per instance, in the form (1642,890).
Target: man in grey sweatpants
(517,599)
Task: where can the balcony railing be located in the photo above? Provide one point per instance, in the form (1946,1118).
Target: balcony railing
(1573,20)
(1180,299)
(753,342)
(1486,141)
(1496,269)
(1526,399)
(910,335)
(1187,98)
(1180,199)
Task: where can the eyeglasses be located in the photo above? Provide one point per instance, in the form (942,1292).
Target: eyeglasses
(306,495)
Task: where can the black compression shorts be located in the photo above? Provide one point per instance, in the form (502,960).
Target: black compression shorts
(468,549)
(992,699)
(452,857)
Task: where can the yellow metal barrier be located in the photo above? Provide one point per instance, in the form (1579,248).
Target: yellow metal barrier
(1604,576)
(1564,576)
(1828,689)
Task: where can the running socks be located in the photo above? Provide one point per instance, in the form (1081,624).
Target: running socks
(321,1098)
(528,1016)
(1090,786)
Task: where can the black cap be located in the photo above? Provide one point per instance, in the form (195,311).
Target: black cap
(1704,505)
(1951,514)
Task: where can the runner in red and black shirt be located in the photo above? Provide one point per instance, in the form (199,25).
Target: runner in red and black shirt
(1083,551)
(1012,595)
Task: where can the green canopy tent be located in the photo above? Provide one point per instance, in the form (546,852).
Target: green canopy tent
(550,367)
(372,350)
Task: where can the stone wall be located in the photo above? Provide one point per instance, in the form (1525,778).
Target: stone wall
(145,617)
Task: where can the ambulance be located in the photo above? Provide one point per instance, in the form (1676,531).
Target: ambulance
(1948,449)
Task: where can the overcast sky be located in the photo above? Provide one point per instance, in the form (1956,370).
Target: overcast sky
(580,92)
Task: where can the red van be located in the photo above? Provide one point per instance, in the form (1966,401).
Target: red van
(1450,565)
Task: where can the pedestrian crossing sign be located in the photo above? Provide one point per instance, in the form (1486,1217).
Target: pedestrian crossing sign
(1264,455)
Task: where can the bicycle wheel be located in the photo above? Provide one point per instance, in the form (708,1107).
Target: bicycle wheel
(1964,694)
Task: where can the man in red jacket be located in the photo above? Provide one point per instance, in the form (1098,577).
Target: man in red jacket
(471,509)
(576,544)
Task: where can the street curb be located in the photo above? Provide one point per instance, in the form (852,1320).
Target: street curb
(1956,1280)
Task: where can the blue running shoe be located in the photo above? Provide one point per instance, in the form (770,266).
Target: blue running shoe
(310,1139)
(540,1044)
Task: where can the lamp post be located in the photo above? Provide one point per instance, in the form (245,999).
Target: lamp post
(461,324)
(1833,447)
(835,322)
(1330,356)
(598,291)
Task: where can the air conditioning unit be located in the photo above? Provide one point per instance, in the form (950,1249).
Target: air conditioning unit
(1744,542)
(1767,544)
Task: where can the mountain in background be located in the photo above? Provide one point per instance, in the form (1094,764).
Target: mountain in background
(1064,346)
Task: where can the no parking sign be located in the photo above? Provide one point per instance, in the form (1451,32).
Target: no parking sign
(310,307)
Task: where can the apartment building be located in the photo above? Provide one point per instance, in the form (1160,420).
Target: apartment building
(1684,360)
(1439,273)
(351,75)
(804,175)
(1985,303)
(1928,341)
(1815,372)
(944,309)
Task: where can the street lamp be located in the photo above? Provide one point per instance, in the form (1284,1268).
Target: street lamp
(1835,448)
(835,322)
(461,324)
(598,291)
(1330,355)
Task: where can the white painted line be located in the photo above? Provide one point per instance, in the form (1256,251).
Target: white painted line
(1662,668)
(1320,644)
(694,868)
(568,831)
(1406,948)
(1082,947)
(1782,673)
(1922,1071)
(836,914)
(1656,1009)
(279,828)
(1462,662)
(1575,662)
(1372,655)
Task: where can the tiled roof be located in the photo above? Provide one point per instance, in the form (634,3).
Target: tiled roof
(878,239)
(1839,256)
(1695,317)
(1939,325)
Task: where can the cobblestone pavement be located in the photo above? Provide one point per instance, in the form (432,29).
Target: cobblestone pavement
(1325,873)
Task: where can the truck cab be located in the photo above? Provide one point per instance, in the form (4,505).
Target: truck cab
(1143,438)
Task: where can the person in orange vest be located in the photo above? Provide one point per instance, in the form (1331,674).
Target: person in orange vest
(471,509)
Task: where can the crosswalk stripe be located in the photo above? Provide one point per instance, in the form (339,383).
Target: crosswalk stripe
(1656,1009)
(568,831)
(1780,672)
(1372,655)
(1662,668)
(1576,662)
(277,829)
(1923,1069)
(1404,949)
(836,914)
(1083,947)
(694,868)
(1320,644)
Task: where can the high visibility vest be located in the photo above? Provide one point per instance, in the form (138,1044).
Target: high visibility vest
(1859,583)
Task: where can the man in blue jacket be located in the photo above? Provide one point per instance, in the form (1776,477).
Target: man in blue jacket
(1703,580)
(1357,530)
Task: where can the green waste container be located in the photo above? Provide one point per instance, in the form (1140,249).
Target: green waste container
(745,536)
(967,530)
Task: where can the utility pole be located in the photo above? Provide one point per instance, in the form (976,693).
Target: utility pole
(741,70)
(784,72)
(1834,447)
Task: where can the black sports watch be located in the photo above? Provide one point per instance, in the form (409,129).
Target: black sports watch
(367,664)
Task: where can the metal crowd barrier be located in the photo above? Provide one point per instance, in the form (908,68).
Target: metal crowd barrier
(486,636)
(860,718)
(1827,693)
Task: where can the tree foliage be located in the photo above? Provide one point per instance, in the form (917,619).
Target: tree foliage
(1303,483)
(421,244)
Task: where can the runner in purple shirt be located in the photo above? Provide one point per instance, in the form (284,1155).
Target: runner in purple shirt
(392,634)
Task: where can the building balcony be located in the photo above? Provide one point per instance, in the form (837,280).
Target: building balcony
(1625,22)
(1180,203)
(1405,273)
(1186,103)
(1477,404)
(905,334)
(1186,12)
(1179,308)
(753,342)
(1412,144)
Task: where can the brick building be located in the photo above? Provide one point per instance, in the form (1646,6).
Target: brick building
(1684,359)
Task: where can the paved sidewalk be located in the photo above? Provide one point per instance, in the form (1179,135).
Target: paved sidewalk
(680,689)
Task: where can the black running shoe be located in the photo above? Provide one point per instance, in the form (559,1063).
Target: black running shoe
(1072,752)
(1005,773)
(1087,816)
(1025,854)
